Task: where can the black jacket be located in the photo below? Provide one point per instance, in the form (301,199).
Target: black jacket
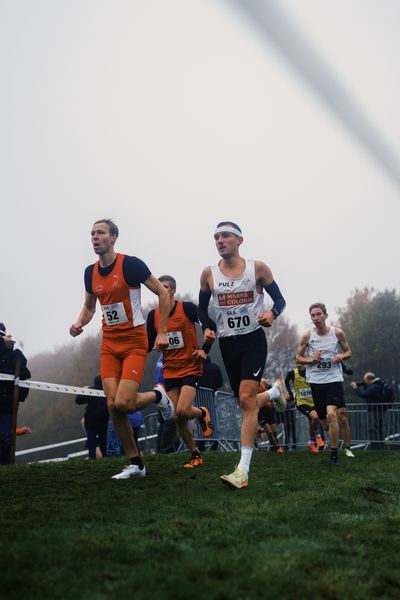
(8,362)
(372,393)
(96,414)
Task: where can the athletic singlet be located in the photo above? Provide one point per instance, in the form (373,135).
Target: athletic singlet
(236,301)
(302,390)
(324,371)
(120,303)
(178,360)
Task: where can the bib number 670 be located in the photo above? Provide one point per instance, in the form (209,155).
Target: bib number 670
(236,322)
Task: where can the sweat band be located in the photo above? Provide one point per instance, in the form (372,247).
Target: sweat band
(279,301)
(228,229)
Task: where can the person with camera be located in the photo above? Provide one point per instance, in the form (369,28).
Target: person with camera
(370,389)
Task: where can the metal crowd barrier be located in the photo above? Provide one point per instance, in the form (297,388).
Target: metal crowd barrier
(371,425)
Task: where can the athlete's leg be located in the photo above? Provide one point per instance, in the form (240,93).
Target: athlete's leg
(333,424)
(313,417)
(183,399)
(271,432)
(275,392)
(344,424)
(117,392)
(248,405)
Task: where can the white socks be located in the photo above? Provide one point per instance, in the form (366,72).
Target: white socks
(245,459)
(273,393)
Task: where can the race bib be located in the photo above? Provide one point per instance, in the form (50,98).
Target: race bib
(305,393)
(175,340)
(238,320)
(324,364)
(114,314)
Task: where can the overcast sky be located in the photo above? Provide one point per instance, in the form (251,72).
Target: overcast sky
(171,116)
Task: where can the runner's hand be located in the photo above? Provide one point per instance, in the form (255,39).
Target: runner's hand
(209,335)
(161,342)
(266,318)
(199,354)
(76,329)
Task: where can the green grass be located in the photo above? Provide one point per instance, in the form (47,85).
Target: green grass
(302,529)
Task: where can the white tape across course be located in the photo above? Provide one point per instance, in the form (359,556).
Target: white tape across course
(52,387)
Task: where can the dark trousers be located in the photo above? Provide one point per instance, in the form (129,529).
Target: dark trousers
(5,438)
(96,436)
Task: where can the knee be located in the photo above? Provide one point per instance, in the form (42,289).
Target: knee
(183,413)
(342,418)
(121,405)
(248,402)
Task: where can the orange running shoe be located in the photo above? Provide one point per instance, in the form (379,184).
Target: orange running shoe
(205,422)
(194,461)
(320,442)
(279,450)
(312,447)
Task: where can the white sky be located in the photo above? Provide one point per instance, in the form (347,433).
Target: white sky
(171,116)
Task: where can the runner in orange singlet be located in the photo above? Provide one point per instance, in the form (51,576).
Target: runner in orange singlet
(115,281)
(182,366)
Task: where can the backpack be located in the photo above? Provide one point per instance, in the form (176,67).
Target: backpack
(388,396)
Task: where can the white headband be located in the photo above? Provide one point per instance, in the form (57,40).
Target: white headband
(227,229)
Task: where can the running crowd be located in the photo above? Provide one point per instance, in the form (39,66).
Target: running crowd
(233,292)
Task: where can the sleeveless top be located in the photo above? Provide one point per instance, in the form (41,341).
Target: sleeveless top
(324,371)
(120,303)
(178,360)
(302,390)
(236,301)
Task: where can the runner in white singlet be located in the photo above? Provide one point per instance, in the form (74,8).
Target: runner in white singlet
(322,350)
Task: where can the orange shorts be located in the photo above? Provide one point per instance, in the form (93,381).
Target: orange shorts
(123,355)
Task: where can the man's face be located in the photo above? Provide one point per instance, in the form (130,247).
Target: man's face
(318,317)
(171,291)
(102,241)
(227,243)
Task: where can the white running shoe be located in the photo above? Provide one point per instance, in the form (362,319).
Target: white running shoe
(279,403)
(238,479)
(165,405)
(349,453)
(130,471)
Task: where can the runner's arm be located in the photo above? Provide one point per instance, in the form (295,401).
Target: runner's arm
(191,311)
(85,316)
(301,351)
(207,324)
(159,290)
(151,330)
(265,278)
(346,351)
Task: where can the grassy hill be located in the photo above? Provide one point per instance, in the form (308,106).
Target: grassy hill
(303,529)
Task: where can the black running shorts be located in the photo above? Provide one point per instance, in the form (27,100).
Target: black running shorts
(178,382)
(327,394)
(305,409)
(244,357)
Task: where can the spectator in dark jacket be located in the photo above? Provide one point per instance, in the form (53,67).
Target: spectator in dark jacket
(370,390)
(8,362)
(95,420)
